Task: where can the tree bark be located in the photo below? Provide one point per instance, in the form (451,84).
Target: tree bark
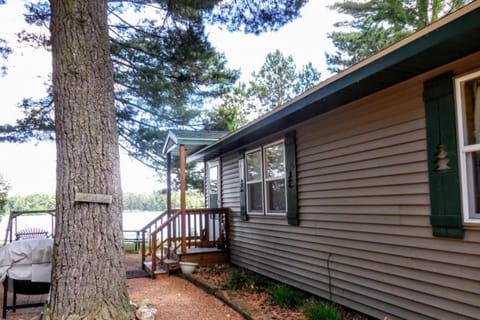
(88,277)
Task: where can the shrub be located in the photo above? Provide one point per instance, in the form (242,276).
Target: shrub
(239,280)
(259,282)
(285,296)
(322,311)
(236,281)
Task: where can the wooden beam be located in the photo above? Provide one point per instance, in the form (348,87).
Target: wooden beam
(183,204)
(169,198)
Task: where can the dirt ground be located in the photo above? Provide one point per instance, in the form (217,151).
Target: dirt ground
(175,298)
(255,301)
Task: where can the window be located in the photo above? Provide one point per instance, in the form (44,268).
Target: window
(265,179)
(275,177)
(213,191)
(254,181)
(268,180)
(468,127)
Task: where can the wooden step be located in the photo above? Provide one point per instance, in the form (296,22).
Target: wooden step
(171,265)
(158,271)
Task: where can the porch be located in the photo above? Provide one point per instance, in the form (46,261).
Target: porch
(187,235)
(198,235)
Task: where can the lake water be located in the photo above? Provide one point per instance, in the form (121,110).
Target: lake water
(132,220)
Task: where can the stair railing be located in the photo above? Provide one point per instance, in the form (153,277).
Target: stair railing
(146,231)
(205,227)
(166,235)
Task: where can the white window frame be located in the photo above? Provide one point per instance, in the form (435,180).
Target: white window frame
(464,150)
(210,164)
(264,180)
(247,182)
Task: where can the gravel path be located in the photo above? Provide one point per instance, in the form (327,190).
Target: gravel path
(176,298)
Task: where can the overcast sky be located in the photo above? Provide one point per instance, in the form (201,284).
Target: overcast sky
(30,168)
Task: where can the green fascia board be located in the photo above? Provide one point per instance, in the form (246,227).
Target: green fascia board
(195,142)
(447,43)
(174,139)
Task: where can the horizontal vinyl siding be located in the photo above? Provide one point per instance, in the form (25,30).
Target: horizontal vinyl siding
(230,183)
(364,238)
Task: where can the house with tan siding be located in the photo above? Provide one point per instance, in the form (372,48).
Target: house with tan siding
(365,190)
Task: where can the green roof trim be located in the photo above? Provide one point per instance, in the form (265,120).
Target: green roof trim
(452,37)
(192,139)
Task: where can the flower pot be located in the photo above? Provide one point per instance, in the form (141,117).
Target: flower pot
(188,267)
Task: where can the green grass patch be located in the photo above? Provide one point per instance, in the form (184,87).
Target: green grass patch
(131,246)
(322,311)
(286,296)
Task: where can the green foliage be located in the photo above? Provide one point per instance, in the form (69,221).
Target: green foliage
(230,114)
(376,24)
(322,311)
(130,246)
(165,68)
(253,16)
(31,202)
(5,50)
(4,187)
(157,201)
(237,280)
(277,82)
(245,280)
(226,117)
(144,202)
(286,296)
(194,175)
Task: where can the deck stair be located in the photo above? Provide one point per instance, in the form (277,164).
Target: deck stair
(174,237)
(166,267)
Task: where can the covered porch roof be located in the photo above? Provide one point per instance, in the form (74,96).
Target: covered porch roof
(183,143)
(193,140)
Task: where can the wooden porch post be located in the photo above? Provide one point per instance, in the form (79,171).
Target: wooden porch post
(183,204)
(169,199)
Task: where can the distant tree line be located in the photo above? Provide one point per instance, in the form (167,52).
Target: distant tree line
(4,187)
(31,202)
(155,201)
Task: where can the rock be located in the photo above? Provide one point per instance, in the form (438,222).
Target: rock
(146,310)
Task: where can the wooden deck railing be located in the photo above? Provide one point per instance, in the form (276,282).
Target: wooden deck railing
(162,237)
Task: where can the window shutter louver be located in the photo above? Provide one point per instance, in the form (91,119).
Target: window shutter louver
(291,177)
(446,215)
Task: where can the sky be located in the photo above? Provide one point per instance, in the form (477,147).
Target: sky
(30,167)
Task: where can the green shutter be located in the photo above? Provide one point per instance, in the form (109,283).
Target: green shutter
(291,172)
(446,215)
(243,192)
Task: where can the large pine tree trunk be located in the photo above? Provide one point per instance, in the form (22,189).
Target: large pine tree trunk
(88,265)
